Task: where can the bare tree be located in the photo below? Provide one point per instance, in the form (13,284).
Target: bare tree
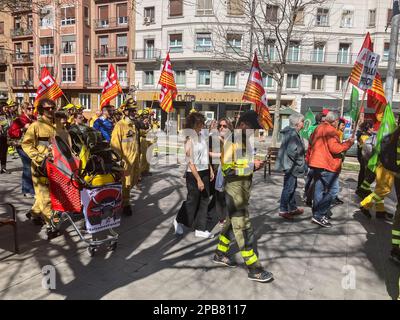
(269,27)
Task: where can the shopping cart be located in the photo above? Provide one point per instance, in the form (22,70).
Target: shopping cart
(73,198)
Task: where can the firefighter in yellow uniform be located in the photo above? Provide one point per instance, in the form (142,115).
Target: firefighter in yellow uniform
(238,164)
(36,144)
(144,143)
(125,142)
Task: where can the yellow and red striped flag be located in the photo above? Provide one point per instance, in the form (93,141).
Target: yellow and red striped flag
(111,87)
(48,88)
(168,86)
(255,93)
(376,98)
(357,70)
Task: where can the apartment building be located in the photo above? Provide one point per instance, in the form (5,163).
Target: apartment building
(76,40)
(319,61)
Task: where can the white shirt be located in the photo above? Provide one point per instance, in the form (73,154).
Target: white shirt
(199,152)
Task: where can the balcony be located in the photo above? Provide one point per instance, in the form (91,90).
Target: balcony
(330,58)
(22,58)
(99,83)
(146,54)
(114,53)
(21,33)
(111,23)
(17,83)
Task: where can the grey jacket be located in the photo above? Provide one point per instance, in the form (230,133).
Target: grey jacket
(291,155)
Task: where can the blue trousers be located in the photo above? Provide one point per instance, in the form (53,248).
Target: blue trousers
(325,191)
(27,185)
(288,201)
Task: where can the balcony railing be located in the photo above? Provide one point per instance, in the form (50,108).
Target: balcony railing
(118,22)
(121,52)
(96,82)
(22,83)
(146,54)
(22,58)
(20,32)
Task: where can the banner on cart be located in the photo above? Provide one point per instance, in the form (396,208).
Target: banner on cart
(101,207)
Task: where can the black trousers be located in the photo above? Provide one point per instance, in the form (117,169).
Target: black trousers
(3,151)
(194,211)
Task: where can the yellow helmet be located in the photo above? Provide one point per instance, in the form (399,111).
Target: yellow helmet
(10,102)
(130,103)
(192,110)
(69,106)
(78,106)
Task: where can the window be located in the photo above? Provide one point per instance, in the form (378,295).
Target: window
(68,44)
(175,8)
(372,18)
(46,17)
(30,22)
(47,48)
(119,99)
(122,13)
(294,51)
(149,77)
(386,51)
(347,19)
(292,81)
(67,16)
(180,77)
(204,7)
(103,45)
(299,18)
(86,73)
(2,76)
(68,73)
(340,82)
(318,54)
(344,53)
(389,16)
(103,70)
(175,42)
(122,45)
(234,42)
(398,85)
(87,45)
(204,78)
(230,79)
(30,47)
(322,17)
(17,23)
(268,81)
(1,27)
(19,77)
(103,17)
(235,7)
(269,50)
(122,74)
(84,100)
(203,42)
(86,15)
(271,14)
(149,15)
(317,82)
(149,49)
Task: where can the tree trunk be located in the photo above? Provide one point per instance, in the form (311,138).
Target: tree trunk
(275,132)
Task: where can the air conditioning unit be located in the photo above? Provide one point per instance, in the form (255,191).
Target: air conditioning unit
(45,11)
(146,21)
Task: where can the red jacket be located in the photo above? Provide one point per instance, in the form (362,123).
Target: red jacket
(326,149)
(16,129)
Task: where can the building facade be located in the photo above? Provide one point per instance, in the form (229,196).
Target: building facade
(319,61)
(76,40)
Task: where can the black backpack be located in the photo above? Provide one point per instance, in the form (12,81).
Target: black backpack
(388,154)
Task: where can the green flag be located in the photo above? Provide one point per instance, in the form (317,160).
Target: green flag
(354,104)
(309,120)
(388,125)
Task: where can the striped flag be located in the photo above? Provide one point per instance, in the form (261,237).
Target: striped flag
(168,86)
(376,98)
(255,93)
(111,88)
(48,88)
(357,70)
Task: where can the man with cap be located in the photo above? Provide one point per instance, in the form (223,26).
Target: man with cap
(238,164)
(125,142)
(36,144)
(104,124)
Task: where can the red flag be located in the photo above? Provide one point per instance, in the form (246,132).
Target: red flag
(376,98)
(111,87)
(356,72)
(48,88)
(255,93)
(168,86)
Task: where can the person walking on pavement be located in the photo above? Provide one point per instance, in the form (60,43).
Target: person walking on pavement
(4,125)
(125,142)
(105,123)
(291,161)
(36,144)
(326,162)
(238,164)
(16,132)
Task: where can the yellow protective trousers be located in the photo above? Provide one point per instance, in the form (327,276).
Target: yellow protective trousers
(396,221)
(42,204)
(384,184)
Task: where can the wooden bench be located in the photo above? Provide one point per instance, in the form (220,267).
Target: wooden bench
(270,159)
(10,221)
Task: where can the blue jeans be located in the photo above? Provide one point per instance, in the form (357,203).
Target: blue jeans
(335,189)
(27,185)
(325,191)
(288,201)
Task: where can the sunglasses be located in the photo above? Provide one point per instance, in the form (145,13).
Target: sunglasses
(222,126)
(30,109)
(49,108)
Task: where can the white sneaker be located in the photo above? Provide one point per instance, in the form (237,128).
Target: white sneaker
(203,234)
(178,227)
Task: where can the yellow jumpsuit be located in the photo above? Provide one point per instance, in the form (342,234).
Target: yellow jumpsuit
(124,141)
(144,145)
(35,144)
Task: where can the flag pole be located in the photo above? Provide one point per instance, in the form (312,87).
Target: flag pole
(66,97)
(344,97)
(358,115)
